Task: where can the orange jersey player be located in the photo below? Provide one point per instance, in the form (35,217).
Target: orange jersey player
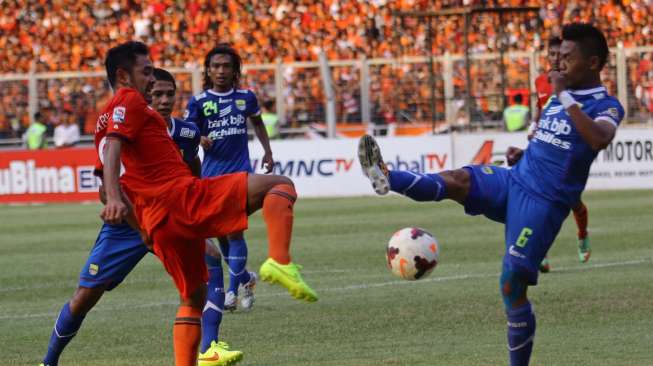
(177,210)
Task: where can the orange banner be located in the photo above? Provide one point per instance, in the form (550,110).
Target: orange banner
(65,175)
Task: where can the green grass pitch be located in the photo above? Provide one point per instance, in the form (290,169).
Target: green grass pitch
(599,313)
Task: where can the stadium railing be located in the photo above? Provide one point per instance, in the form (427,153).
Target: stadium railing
(370,94)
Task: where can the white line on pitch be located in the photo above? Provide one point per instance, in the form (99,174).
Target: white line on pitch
(352,287)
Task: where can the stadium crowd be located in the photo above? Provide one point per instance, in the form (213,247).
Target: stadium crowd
(44,36)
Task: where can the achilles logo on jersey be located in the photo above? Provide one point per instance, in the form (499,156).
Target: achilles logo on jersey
(118,114)
(225,111)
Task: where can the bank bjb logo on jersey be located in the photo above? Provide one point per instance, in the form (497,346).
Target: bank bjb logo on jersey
(240,104)
(118,115)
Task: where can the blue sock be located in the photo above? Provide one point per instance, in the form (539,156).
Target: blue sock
(212,313)
(237,261)
(64,330)
(521,334)
(420,187)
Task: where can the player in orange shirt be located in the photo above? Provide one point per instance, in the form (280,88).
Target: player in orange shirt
(177,210)
(544,92)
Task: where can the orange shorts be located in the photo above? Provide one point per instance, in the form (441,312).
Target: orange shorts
(205,208)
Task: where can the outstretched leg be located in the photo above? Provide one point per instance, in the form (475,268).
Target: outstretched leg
(277,196)
(451,184)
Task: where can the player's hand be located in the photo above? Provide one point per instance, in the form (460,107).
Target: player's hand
(513,155)
(268,162)
(558,81)
(114,212)
(206,142)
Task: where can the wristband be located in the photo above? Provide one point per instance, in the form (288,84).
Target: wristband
(566,99)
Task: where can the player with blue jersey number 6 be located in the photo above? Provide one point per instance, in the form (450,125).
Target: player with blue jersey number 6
(534,198)
(221,112)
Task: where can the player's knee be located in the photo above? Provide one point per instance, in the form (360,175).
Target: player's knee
(457,183)
(196,299)
(212,254)
(513,287)
(285,180)
(236,236)
(84,299)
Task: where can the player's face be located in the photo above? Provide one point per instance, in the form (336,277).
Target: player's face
(142,75)
(553,56)
(573,65)
(221,72)
(163,97)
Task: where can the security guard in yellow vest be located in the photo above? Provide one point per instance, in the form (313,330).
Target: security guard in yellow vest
(34,136)
(516,116)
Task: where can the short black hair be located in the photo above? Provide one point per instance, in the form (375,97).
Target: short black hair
(590,40)
(222,49)
(123,57)
(518,98)
(554,41)
(164,75)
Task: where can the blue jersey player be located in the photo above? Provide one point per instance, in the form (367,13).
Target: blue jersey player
(221,112)
(119,248)
(535,197)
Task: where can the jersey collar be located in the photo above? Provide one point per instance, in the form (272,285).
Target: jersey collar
(221,94)
(598,89)
(171,131)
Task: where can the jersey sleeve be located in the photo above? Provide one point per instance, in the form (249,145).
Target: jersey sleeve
(127,117)
(192,115)
(609,110)
(253,108)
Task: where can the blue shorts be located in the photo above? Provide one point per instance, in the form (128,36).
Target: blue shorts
(531,223)
(116,252)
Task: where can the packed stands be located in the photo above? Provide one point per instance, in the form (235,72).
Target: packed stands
(51,36)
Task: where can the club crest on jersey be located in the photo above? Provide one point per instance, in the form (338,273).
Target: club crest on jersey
(611,112)
(93,269)
(240,104)
(118,114)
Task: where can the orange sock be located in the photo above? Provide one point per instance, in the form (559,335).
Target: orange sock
(186,334)
(580,215)
(278,215)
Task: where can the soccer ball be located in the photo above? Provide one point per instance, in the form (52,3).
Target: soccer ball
(412,253)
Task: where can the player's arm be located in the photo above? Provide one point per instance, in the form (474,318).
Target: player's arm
(131,217)
(196,167)
(597,133)
(115,209)
(262,135)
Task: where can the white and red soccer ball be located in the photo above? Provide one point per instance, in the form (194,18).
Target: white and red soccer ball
(412,253)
